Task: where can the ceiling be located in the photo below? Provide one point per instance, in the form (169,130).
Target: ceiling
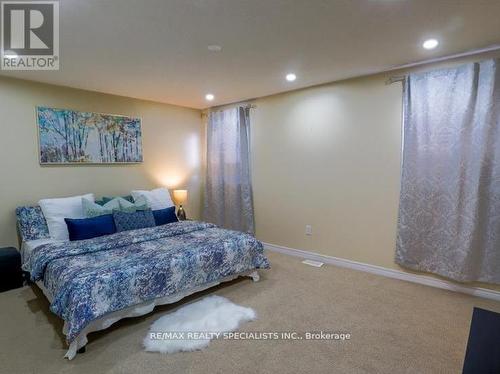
(157,49)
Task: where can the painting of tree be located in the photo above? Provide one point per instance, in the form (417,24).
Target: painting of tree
(68,136)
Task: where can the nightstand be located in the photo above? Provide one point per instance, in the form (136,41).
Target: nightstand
(11,275)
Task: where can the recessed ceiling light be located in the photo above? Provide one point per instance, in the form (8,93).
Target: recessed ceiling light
(291,77)
(214,48)
(209,97)
(430,44)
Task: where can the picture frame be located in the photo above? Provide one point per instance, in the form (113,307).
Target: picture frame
(71,137)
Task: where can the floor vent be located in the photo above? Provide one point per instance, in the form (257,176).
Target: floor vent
(316,264)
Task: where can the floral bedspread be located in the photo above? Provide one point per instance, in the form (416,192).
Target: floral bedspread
(90,278)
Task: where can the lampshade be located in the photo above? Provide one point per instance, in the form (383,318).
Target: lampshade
(180,196)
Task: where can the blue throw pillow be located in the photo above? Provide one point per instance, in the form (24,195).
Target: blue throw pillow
(88,228)
(164,216)
(140,219)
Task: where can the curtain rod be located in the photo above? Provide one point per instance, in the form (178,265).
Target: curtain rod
(472,52)
(396,78)
(401,78)
(204,112)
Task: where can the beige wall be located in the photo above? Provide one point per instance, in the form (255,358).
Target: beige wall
(329,156)
(173,139)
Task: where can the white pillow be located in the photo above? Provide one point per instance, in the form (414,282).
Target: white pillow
(157,199)
(56,210)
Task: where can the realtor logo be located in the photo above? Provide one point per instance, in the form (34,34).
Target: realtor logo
(30,35)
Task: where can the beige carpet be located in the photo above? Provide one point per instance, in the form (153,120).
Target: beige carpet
(396,327)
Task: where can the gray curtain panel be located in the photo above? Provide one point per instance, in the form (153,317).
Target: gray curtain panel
(228,188)
(449,214)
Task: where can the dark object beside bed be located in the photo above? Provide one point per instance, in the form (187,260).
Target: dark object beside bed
(11,275)
(483,347)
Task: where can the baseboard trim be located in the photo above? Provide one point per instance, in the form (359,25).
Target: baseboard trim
(386,272)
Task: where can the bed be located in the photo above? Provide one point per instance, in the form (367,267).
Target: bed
(95,282)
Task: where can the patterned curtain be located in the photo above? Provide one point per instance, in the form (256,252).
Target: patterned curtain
(449,214)
(228,188)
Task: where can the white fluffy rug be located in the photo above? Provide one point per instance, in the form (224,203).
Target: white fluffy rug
(193,326)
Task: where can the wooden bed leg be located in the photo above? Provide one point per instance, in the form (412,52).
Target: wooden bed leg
(255,276)
(82,350)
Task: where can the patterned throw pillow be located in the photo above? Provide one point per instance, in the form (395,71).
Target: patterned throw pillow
(139,204)
(132,221)
(91,209)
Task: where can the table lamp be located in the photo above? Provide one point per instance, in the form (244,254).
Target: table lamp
(180,197)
